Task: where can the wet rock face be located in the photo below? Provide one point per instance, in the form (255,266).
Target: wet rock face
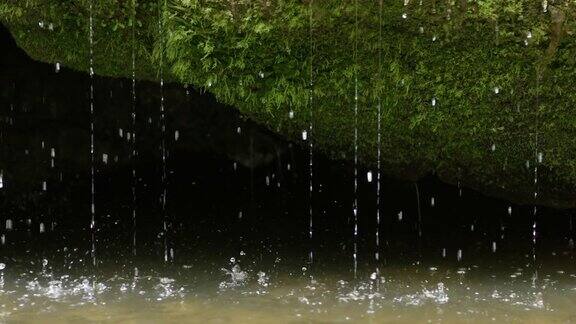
(474,93)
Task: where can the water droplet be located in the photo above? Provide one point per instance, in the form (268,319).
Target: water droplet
(432,202)
(496,90)
(369,176)
(105,158)
(291,114)
(459,255)
(433,102)
(304,135)
(2,266)
(404,15)
(400,216)
(42,229)
(9,224)
(176,135)
(57,68)
(540,157)
(493,148)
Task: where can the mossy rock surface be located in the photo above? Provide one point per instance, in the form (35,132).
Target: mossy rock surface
(480,92)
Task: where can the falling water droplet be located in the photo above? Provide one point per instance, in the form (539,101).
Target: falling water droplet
(239,130)
(540,157)
(176,135)
(510,210)
(57,67)
(291,114)
(496,90)
(494,247)
(369,176)
(105,158)
(459,255)
(44,185)
(42,229)
(304,135)
(493,148)
(404,15)
(120,132)
(1,179)
(433,102)
(432,202)
(400,216)
(9,224)
(443,252)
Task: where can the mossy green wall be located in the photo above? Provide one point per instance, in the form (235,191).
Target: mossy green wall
(502,75)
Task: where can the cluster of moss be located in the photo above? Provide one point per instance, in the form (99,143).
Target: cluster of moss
(473,90)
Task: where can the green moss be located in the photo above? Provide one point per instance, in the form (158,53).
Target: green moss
(260,55)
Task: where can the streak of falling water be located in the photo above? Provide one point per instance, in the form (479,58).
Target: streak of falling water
(419,221)
(379,142)
(355,204)
(537,160)
(133,142)
(92,175)
(164,179)
(311,142)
